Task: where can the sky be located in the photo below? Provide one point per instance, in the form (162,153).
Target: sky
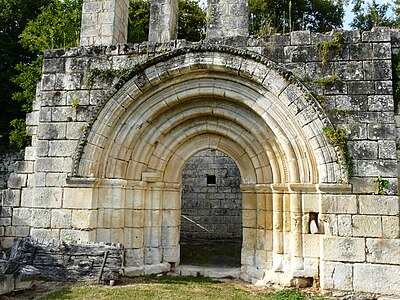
(348,14)
(348,18)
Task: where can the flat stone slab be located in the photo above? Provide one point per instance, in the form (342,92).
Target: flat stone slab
(212,272)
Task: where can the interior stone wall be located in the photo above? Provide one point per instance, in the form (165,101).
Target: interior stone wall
(217,208)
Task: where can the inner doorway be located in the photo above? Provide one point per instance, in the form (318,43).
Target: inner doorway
(211,211)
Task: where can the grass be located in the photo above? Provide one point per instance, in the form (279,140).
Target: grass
(174,288)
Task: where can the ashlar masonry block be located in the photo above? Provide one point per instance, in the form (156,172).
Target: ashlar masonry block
(343,249)
(386,278)
(367,226)
(163,21)
(104,22)
(41,218)
(84,219)
(385,251)
(227,18)
(79,198)
(336,276)
(339,204)
(379,205)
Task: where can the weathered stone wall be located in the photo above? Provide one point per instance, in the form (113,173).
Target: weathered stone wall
(7,166)
(215,207)
(356,244)
(163,21)
(30,259)
(104,22)
(227,18)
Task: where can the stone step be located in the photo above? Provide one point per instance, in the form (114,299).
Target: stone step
(212,272)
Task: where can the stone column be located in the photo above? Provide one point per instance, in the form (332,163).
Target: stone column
(278,231)
(163,21)
(296,241)
(227,18)
(104,22)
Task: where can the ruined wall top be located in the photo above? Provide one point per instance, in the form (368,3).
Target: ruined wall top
(227,18)
(106,22)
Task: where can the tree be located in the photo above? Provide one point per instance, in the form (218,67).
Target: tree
(371,14)
(396,10)
(56,26)
(191,20)
(269,16)
(139,17)
(14,15)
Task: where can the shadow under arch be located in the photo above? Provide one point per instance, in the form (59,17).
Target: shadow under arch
(208,97)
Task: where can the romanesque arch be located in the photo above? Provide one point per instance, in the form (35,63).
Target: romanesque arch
(162,113)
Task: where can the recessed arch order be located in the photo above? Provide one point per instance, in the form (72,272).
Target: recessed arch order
(175,105)
(231,99)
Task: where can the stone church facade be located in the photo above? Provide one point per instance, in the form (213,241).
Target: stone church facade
(312,132)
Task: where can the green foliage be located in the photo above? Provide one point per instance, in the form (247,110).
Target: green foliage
(288,15)
(57,26)
(14,15)
(335,45)
(18,136)
(396,10)
(382,184)
(102,74)
(287,295)
(323,82)
(75,103)
(27,80)
(191,21)
(139,17)
(371,14)
(337,137)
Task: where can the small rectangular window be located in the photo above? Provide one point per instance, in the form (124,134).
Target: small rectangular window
(211,179)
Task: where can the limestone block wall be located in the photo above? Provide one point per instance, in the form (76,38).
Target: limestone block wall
(69,261)
(104,22)
(358,228)
(215,206)
(227,18)
(163,21)
(7,166)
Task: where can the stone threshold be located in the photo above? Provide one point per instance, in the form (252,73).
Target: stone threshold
(208,271)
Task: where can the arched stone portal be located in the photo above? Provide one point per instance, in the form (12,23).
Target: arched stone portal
(159,115)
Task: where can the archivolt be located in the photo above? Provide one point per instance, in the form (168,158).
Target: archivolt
(193,99)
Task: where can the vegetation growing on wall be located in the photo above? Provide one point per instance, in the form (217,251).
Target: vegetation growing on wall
(325,48)
(337,137)
(43,24)
(382,185)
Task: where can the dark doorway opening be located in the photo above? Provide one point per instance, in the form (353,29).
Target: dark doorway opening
(211,212)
